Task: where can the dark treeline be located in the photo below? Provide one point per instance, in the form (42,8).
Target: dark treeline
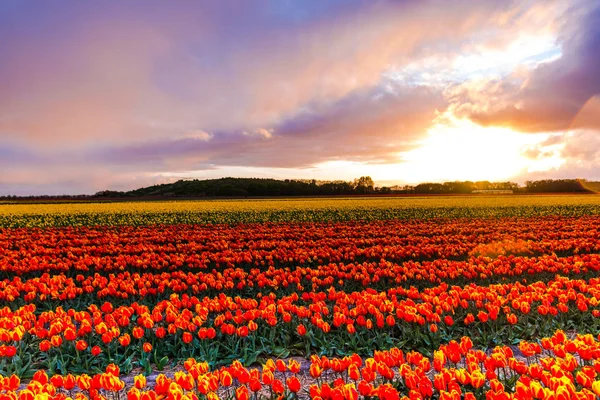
(254,187)
(541,186)
(560,186)
(463,187)
(241,187)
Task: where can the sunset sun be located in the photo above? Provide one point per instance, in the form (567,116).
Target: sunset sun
(472,152)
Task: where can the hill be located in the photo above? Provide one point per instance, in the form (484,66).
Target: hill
(250,187)
(242,187)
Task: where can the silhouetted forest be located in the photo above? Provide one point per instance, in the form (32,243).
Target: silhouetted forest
(242,187)
(255,187)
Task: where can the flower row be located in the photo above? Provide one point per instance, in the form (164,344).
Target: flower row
(557,368)
(108,249)
(347,277)
(135,213)
(187,325)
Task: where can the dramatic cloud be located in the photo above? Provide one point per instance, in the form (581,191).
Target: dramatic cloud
(123,94)
(551,96)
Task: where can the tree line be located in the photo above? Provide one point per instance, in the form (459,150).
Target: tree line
(539,186)
(256,187)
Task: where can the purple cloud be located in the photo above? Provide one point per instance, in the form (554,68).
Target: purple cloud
(119,94)
(553,94)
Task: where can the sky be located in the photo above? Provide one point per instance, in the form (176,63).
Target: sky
(124,94)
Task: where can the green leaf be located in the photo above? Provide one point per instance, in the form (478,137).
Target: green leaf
(281,352)
(162,363)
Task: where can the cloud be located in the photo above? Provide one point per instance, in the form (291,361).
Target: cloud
(582,148)
(92,75)
(132,90)
(260,132)
(368,126)
(343,130)
(554,96)
(198,135)
(588,116)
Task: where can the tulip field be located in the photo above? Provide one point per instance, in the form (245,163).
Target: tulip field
(328,299)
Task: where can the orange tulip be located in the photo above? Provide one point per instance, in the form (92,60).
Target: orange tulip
(301,330)
(293,384)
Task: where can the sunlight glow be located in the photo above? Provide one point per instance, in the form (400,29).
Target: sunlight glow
(526,51)
(454,149)
(463,150)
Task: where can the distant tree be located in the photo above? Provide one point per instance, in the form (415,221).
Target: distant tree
(429,188)
(554,185)
(364,184)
